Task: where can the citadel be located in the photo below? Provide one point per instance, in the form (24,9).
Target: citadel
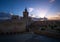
(26,23)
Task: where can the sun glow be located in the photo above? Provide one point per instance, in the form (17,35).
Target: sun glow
(42,13)
(39,12)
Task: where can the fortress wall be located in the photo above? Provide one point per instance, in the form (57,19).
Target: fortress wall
(12,27)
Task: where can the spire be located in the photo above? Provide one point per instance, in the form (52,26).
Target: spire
(25,13)
(25,9)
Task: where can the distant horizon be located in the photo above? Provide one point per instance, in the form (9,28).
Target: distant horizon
(51,18)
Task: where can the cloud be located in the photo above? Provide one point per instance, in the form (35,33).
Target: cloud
(4,14)
(31,9)
(51,1)
(11,13)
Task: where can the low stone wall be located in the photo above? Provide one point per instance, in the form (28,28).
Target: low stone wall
(49,34)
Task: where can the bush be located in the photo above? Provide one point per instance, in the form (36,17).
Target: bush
(58,30)
(42,28)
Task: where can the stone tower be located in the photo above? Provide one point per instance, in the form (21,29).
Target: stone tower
(25,13)
(26,18)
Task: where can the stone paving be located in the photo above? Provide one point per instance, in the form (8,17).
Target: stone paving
(27,37)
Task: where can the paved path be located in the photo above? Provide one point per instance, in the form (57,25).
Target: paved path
(26,37)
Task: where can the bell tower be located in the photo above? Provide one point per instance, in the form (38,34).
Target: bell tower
(25,13)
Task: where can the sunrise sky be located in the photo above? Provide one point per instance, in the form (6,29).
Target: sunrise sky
(36,8)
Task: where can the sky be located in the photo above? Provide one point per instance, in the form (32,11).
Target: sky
(36,8)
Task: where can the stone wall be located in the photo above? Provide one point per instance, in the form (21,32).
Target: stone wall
(12,26)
